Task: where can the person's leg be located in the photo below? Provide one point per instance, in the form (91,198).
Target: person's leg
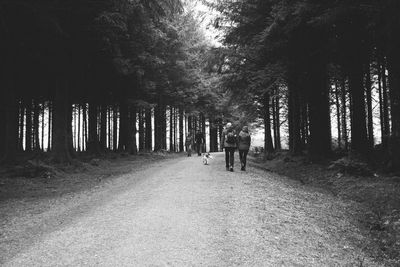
(227,158)
(198,149)
(231,158)
(241,157)
(245,159)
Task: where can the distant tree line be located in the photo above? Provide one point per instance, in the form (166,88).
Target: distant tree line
(318,60)
(92,75)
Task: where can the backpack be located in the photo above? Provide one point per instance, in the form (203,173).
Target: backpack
(230,138)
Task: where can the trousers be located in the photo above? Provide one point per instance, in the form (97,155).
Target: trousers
(229,156)
(243,157)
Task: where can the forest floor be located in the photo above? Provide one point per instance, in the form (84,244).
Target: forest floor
(377,192)
(171,210)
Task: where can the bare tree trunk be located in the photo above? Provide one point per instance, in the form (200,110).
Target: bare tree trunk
(78,140)
(141,130)
(93,141)
(339,126)
(386,122)
(368,88)
(28,132)
(171,129)
(132,147)
(85,127)
(103,127)
(21,127)
(50,127)
(43,115)
(115,128)
(294,121)
(36,137)
(181,116)
(380,93)
(277,125)
(164,127)
(269,148)
(344,115)
(149,131)
(359,141)
(109,120)
(60,147)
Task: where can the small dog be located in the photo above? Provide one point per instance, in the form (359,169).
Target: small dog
(206,158)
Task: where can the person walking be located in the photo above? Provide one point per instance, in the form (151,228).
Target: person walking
(189,144)
(229,143)
(200,140)
(244,140)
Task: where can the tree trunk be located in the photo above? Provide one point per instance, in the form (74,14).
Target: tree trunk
(181,133)
(28,132)
(141,130)
(213,135)
(43,116)
(103,127)
(304,123)
(344,115)
(394,82)
(277,122)
(109,135)
(36,138)
(386,122)
(78,139)
(158,127)
(319,112)
(70,138)
(149,131)
(60,149)
(269,147)
(115,128)
(359,141)
(123,126)
(294,120)
(50,127)
(171,129)
(339,126)
(93,140)
(164,127)
(368,88)
(21,127)
(132,147)
(190,124)
(85,127)
(380,94)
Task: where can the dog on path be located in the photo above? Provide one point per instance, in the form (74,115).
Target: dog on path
(206,158)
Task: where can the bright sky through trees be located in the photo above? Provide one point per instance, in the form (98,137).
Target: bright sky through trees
(206,17)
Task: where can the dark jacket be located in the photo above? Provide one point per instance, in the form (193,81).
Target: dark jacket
(244,140)
(223,139)
(200,138)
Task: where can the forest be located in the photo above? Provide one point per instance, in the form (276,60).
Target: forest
(127,76)
(329,70)
(91,76)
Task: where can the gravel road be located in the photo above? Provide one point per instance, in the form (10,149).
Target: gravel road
(179,212)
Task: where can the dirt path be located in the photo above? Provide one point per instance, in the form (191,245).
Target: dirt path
(182,213)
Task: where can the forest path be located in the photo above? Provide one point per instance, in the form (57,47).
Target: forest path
(182,213)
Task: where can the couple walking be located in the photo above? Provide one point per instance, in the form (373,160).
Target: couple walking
(230,141)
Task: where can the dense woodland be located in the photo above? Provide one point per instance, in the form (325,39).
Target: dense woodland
(332,66)
(90,76)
